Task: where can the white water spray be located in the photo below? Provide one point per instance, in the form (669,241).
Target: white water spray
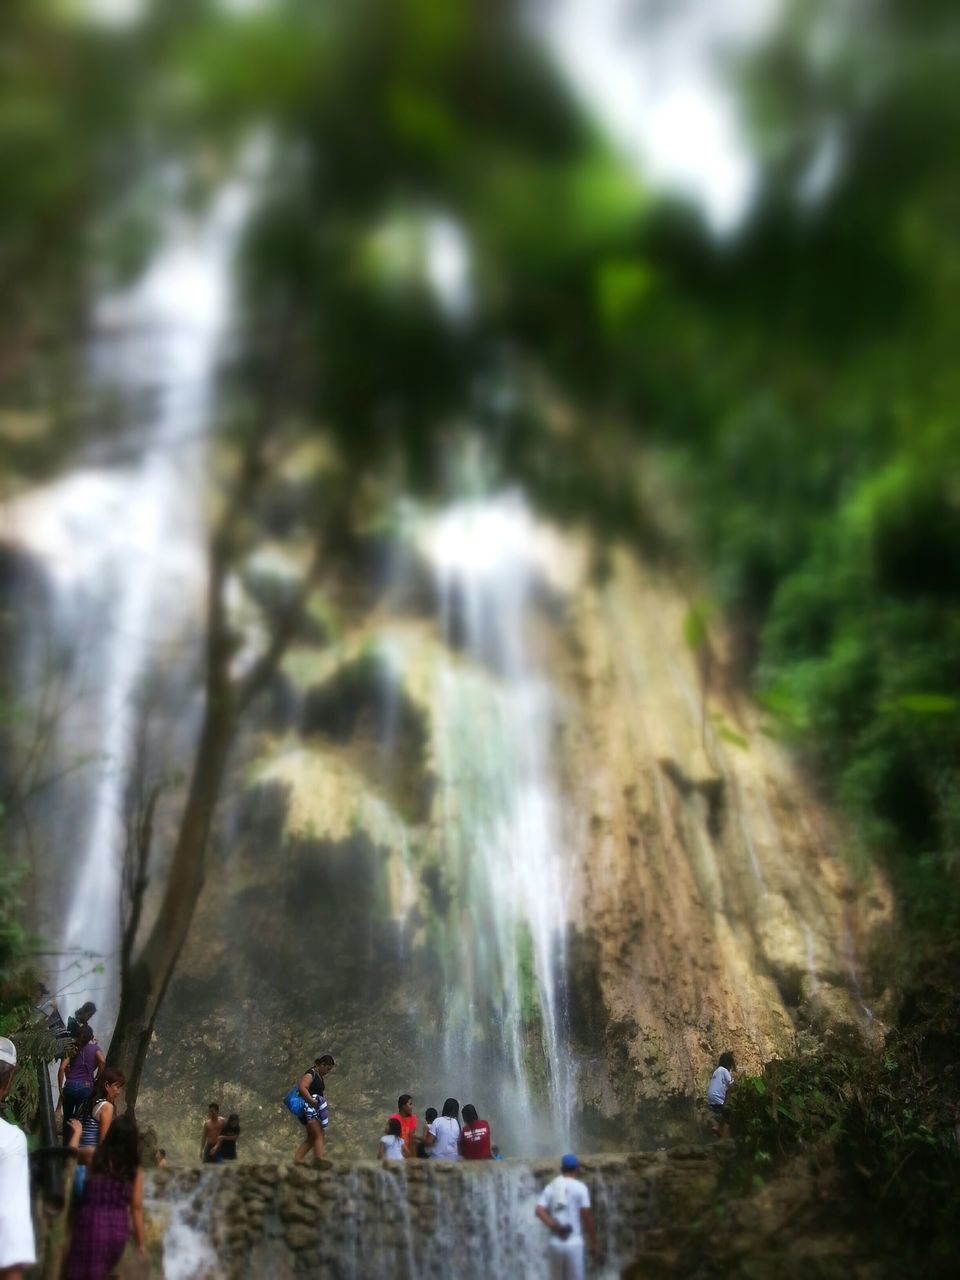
(501,825)
(122,550)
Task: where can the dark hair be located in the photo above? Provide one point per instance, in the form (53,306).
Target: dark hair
(6,1071)
(232,1127)
(89,1009)
(161,1152)
(80,1040)
(214,1106)
(325,1061)
(403,1100)
(395,1127)
(727,1060)
(431,1114)
(109,1075)
(451,1108)
(470,1113)
(119,1155)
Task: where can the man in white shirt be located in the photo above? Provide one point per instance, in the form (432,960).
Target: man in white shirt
(17,1249)
(564,1208)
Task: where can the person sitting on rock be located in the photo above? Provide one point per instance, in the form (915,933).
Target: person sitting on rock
(475,1138)
(408,1121)
(428,1118)
(720,1082)
(392,1145)
(212,1128)
(442,1137)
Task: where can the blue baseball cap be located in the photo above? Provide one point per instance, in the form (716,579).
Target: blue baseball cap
(569,1161)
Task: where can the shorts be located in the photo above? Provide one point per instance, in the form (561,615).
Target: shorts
(716,1108)
(305,1113)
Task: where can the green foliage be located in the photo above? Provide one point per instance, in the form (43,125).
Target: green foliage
(884,1123)
(19,982)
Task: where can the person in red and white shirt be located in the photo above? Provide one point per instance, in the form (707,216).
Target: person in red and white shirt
(475,1138)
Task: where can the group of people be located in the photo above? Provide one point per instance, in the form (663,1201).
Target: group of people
(108,1200)
(218,1141)
(444,1136)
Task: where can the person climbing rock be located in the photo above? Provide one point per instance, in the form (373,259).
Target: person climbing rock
(77,1075)
(81,1018)
(475,1138)
(564,1208)
(717,1090)
(408,1121)
(307,1102)
(212,1128)
(112,1203)
(17,1247)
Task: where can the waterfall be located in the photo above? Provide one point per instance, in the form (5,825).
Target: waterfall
(121,548)
(396,1222)
(500,823)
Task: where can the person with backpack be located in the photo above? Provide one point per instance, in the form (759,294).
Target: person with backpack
(564,1208)
(307,1102)
(81,1018)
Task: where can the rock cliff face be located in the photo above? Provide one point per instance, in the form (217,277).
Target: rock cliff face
(714,909)
(697,881)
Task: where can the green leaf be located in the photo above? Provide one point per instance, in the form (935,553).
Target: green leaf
(923,704)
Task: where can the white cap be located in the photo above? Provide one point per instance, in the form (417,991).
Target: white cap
(8,1052)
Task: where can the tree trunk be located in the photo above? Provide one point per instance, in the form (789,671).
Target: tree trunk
(145,978)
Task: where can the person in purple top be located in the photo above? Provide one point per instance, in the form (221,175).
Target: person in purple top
(78,1074)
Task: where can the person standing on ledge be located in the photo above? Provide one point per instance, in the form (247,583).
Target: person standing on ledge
(720,1082)
(17,1250)
(212,1128)
(307,1102)
(564,1208)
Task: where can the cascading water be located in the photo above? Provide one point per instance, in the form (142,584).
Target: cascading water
(408,1222)
(501,828)
(121,548)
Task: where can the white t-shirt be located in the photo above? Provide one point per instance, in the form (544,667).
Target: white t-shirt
(720,1082)
(392,1147)
(563,1198)
(446,1130)
(16,1224)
